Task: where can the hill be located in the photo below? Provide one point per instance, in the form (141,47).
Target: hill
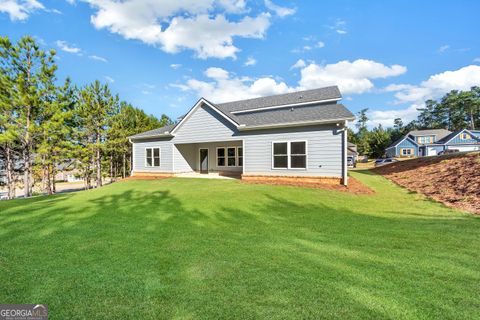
(451,179)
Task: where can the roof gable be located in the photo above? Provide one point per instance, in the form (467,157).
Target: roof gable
(396,143)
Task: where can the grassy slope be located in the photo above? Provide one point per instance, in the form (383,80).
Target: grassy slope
(182,248)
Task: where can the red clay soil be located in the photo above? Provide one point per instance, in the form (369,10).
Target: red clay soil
(354,186)
(451,179)
(146,178)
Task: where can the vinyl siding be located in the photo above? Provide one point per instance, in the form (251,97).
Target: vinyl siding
(324,151)
(404,145)
(457,141)
(206,128)
(205,125)
(165,155)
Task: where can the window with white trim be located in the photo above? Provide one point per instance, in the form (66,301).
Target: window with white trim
(465,136)
(239,156)
(220,157)
(152,157)
(298,155)
(289,155)
(231,156)
(406,151)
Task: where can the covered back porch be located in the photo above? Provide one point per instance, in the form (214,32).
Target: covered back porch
(209,159)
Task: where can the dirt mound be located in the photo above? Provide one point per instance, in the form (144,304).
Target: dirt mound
(451,179)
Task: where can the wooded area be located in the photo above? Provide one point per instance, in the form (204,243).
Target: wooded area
(44,125)
(456,110)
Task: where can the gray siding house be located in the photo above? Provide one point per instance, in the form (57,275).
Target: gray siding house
(296,135)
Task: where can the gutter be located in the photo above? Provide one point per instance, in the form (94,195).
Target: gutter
(244,127)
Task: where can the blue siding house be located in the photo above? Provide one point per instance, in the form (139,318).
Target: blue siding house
(299,135)
(420,143)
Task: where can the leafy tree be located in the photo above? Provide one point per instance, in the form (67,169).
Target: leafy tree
(379,139)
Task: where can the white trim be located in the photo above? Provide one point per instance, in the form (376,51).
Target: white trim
(200,159)
(289,154)
(406,137)
(345,154)
(286,105)
(292,124)
(173,157)
(195,107)
(132,164)
(243,156)
(471,134)
(153,157)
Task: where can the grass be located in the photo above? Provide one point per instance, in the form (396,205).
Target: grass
(212,249)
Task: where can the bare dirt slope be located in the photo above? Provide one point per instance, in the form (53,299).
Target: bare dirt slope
(451,179)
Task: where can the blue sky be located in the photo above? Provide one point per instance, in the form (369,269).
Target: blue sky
(161,55)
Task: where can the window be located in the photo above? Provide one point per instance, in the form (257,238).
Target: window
(152,157)
(426,139)
(221,157)
(406,152)
(231,156)
(465,136)
(280,155)
(240,156)
(290,155)
(298,155)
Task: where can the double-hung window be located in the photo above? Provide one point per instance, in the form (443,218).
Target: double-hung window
(289,155)
(152,157)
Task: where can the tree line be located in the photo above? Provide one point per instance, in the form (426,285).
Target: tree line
(45,126)
(456,110)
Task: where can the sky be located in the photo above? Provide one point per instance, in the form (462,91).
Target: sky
(162,55)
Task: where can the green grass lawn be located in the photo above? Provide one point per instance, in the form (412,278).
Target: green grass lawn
(213,249)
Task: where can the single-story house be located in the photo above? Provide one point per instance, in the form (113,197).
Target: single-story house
(419,143)
(299,135)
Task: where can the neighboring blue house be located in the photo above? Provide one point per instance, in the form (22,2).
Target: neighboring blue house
(419,143)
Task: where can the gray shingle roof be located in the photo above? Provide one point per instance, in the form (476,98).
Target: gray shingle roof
(440,133)
(320,112)
(325,111)
(326,93)
(154,132)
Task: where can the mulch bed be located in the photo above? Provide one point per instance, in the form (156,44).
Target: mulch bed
(453,180)
(354,186)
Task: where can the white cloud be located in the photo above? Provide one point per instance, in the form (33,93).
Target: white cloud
(339,26)
(64,46)
(320,44)
(386,117)
(299,64)
(20,9)
(279,11)
(175,65)
(250,61)
(224,86)
(98,58)
(351,77)
(439,84)
(201,26)
(476,60)
(109,79)
(443,48)
(434,87)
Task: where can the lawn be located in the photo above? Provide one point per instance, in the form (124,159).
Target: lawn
(222,249)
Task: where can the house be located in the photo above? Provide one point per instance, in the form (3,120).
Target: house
(299,135)
(420,143)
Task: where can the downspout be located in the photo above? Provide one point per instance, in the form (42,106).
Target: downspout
(345,154)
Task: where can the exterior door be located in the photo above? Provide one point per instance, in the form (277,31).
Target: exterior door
(203,160)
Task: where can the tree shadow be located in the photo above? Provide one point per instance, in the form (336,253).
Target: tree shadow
(160,248)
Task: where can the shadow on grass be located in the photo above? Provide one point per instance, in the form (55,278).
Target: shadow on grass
(165,252)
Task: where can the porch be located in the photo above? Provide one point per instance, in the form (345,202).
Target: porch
(220,160)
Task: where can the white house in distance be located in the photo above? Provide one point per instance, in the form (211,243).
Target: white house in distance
(300,136)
